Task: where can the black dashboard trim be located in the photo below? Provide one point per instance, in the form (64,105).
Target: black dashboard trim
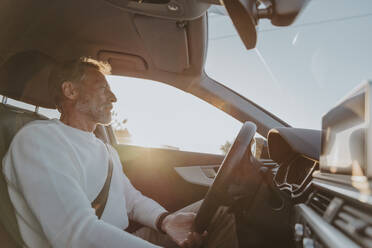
(284,141)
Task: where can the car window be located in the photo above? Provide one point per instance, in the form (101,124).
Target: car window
(19,104)
(50,113)
(153,114)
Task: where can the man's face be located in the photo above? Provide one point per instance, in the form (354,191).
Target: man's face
(95,97)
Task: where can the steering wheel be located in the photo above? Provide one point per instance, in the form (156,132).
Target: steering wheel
(217,193)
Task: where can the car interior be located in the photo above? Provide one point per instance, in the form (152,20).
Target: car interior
(282,197)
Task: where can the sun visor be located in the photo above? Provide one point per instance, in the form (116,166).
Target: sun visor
(24,77)
(168,45)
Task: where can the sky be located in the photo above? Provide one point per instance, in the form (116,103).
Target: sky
(297,73)
(160,115)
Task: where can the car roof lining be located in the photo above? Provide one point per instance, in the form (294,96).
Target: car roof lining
(163,49)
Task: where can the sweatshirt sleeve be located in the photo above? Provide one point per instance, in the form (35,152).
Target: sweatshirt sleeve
(139,207)
(51,182)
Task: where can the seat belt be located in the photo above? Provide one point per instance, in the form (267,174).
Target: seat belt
(100,202)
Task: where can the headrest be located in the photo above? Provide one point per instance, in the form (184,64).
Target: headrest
(24,77)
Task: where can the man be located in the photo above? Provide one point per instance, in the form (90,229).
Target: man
(56,168)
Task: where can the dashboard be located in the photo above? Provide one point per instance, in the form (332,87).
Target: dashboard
(329,210)
(296,151)
(295,175)
(321,209)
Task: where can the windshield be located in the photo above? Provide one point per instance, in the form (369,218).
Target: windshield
(298,72)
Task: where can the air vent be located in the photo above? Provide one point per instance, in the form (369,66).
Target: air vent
(319,201)
(355,223)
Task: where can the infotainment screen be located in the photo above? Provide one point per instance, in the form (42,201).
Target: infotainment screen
(345,132)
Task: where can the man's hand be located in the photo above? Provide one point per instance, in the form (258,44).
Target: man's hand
(179,227)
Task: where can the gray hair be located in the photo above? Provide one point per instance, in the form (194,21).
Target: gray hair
(72,71)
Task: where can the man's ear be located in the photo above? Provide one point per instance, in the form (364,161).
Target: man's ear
(70,90)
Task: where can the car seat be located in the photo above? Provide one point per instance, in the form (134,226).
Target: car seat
(23,77)
(11,120)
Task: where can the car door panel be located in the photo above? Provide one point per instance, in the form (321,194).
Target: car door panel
(156,173)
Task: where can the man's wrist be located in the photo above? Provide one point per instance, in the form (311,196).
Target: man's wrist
(160,222)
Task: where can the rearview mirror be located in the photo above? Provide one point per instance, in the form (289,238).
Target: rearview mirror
(285,11)
(245,15)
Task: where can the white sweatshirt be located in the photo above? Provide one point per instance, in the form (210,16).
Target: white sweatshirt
(54,172)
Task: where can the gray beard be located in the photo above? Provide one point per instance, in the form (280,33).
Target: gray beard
(97,115)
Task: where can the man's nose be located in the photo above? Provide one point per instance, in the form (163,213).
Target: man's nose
(112,96)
